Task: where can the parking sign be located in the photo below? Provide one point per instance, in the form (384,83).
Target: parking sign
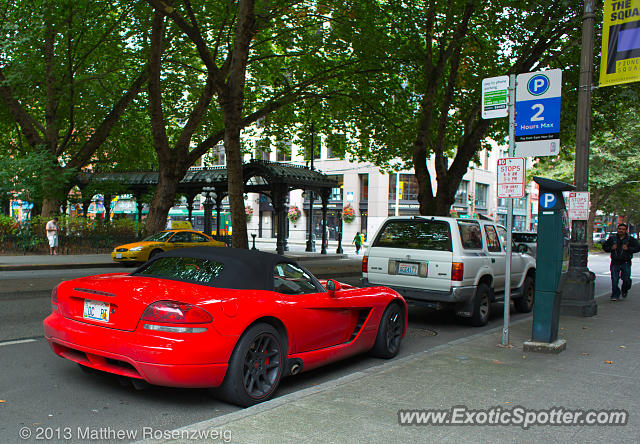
(537,131)
(511,175)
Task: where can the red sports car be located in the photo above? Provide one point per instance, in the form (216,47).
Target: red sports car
(230,319)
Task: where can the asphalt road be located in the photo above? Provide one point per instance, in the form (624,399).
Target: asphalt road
(53,396)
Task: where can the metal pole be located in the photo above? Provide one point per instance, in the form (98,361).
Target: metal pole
(578,257)
(578,286)
(507,272)
(311,244)
(397,192)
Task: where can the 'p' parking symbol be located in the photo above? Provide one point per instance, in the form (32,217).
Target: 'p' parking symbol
(548,200)
(538,84)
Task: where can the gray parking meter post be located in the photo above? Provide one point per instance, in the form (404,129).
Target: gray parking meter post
(550,256)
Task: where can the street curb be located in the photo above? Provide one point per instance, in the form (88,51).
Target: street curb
(325,386)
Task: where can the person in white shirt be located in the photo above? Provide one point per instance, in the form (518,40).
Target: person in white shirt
(52,235)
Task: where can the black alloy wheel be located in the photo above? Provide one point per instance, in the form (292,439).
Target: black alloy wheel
(255,368)
(390,331)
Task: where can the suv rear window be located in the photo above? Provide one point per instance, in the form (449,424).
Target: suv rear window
(416,234)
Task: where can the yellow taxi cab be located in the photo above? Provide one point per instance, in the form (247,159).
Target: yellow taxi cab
(142,251)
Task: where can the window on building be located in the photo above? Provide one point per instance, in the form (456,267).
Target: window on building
(336,145)
(263,149)
(408,187)
(218,155)
(364,187)
(481,195)
(461,194)
(336,193)
(519,204)
(283,153)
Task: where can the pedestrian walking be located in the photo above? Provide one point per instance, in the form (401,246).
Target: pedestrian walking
(357,241)
(622,247)
(52,235)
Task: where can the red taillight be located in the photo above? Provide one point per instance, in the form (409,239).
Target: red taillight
(365,260)
(171,312)
(54,299)
(457,270)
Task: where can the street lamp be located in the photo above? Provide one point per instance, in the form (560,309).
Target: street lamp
(311,244)
(208,193)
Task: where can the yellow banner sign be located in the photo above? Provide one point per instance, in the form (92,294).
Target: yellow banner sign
(620,61)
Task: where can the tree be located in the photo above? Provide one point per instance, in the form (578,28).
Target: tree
(68,71)
(257,59)
(425,99)
(614,154)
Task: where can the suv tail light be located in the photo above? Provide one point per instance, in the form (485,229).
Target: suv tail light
(171,312)
(457,270)
(365,260)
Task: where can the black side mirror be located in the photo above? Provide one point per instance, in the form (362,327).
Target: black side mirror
(522,248)
(333,286)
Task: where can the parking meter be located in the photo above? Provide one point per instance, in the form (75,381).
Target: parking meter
(551,253)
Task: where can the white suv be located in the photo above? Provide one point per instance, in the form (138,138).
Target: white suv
(440,261)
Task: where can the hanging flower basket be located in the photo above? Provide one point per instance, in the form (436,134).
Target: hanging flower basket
(293,214)
(248,211)
(348,214)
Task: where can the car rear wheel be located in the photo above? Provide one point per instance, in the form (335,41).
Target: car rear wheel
(255,367)
(524,304)
(390,330)
(481,306)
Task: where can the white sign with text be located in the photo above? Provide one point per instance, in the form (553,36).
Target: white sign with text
(511,177)
(578,205)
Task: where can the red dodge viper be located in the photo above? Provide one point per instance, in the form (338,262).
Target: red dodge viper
(230,319)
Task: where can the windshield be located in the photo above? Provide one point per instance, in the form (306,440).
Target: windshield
(158,237)
(183,269)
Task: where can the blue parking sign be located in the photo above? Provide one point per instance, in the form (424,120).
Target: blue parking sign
(538,102)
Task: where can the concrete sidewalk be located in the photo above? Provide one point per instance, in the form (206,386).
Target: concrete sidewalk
(599,370)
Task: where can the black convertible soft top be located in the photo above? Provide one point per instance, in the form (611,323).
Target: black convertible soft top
(243,269)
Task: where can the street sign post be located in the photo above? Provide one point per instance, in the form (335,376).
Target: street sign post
(538,101)
(511,177)
(495,97)
(578,205)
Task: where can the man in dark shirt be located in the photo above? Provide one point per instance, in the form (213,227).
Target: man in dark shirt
(622,247)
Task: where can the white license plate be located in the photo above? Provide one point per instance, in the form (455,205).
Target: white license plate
(96,310)
(119,255)
(408,269)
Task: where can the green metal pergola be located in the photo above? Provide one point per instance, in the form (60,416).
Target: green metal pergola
(272,179)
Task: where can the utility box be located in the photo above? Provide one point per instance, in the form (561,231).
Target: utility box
(551,257)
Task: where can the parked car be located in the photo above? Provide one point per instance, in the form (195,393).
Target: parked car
(142,251)
(527,238)
(444,261)
(597,237)
(234,319)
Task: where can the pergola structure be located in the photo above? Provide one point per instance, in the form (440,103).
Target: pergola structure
(272,179)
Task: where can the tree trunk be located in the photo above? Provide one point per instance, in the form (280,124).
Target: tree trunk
(163,199)
(50,207)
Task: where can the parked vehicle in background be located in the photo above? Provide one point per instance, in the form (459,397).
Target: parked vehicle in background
(444,261)
(528,239)
(142,251)
(597,237)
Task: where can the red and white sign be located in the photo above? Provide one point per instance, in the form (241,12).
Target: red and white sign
(578,205)
(511,175)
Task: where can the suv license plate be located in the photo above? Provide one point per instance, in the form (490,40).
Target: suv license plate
(408,269)
(96,310)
